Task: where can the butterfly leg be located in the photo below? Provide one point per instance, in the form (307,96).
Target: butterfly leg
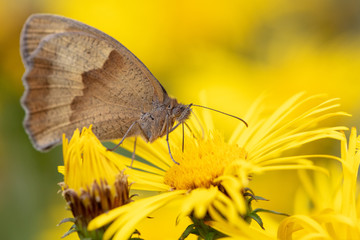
(167,140)
(183,138)
(173,128)
(198,121)
(133,154)
(125,135)
(192,133)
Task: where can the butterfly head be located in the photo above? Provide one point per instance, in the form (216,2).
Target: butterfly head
(179,112)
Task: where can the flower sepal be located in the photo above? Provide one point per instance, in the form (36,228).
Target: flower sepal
(72,228)
(253,214)
(202,230)
(82,232)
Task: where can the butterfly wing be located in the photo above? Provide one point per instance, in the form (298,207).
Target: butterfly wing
(76,76)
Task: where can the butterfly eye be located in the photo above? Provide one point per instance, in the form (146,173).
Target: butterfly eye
(169,106)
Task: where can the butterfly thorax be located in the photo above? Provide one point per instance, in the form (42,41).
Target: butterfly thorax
(161,118)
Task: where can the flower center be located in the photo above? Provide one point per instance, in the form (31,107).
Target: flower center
(201,162)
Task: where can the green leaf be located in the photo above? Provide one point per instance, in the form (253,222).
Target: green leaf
(253,197)
(257,198)
(269,211)
(210,236)
(202,230)
(189,230)
(248,190)
(257,218)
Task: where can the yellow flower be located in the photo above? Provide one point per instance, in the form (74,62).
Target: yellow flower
(93,180)
(339,217)
(213,174)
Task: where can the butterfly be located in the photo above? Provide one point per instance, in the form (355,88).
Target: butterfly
(77,75)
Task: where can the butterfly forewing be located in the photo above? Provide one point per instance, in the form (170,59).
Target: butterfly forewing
(39,26)
(77,76)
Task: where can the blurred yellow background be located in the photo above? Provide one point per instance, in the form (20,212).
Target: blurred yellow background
(234,50)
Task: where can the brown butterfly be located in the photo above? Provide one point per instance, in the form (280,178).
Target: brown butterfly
(77,75)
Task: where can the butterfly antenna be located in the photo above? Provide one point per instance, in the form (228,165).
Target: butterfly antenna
(223,113)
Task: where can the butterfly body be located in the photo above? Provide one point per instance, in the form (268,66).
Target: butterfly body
(76,76)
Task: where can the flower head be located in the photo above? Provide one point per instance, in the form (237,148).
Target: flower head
(339,218)
(213,174)
(203,161)
(94,181)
